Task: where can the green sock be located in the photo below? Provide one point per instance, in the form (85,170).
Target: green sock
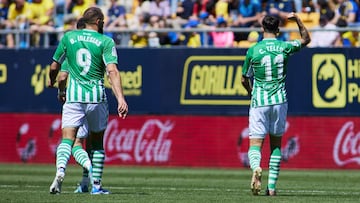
(254,155)
(98,159)
(63,153)
(81,157)
(274,168)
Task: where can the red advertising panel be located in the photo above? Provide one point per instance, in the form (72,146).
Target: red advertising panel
(197,141)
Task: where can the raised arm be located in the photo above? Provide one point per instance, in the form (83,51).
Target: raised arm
(304,33)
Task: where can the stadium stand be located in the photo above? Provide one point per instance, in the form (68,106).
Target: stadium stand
(130,23)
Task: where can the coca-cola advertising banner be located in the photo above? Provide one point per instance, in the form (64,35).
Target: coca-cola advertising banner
(192,141)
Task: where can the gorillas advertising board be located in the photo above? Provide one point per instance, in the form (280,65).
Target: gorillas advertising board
(180,81)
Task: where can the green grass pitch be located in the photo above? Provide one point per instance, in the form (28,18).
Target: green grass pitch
(30,183)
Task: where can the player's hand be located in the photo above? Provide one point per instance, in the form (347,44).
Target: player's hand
(292,16)
(62,96)
(122,108)
(51,83)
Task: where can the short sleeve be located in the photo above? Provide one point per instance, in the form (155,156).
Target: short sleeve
(110,54)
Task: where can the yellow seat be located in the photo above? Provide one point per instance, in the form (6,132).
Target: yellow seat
(129,16)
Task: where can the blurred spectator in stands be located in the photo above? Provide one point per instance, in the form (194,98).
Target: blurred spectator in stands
(325,9)
(280,8)
(249,16)
(121,38)
(350,39)
(143,6)
(233,10)
(346,13)
(305,6)
(43,11)
(19,15)
(164,37)
(116,21)
(249,13)
(200,7)
(160,8)
(60,11)
(175,38)
(222,9)
(185,9)
(192,39)
(323,38)
(252,38)
(160,18)
(299,5)
(153,37)
(183,12)
(173,7)
(153,40)
(140,20)
(4,9)
(6,40)
(116,15)
(42,22)
(154,22)
(204,7)
(70,22)
(222,38)
(78,7)
(308,6)
(206,19)
(138,40)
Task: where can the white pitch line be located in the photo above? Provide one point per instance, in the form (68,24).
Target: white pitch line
(191,189)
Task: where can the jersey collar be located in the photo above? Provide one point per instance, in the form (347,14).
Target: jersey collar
(269,39)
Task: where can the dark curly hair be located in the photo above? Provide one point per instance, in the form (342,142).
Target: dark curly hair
(271,23)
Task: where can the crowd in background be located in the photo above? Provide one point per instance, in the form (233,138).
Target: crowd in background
(145,19)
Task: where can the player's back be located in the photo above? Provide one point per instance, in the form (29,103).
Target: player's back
(87,53)
(269,58)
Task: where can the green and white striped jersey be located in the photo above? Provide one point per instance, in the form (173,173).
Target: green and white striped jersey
(266,62)
(87,53)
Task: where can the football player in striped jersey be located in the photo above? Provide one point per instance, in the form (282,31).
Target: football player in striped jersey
(266,65)
(90,55)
